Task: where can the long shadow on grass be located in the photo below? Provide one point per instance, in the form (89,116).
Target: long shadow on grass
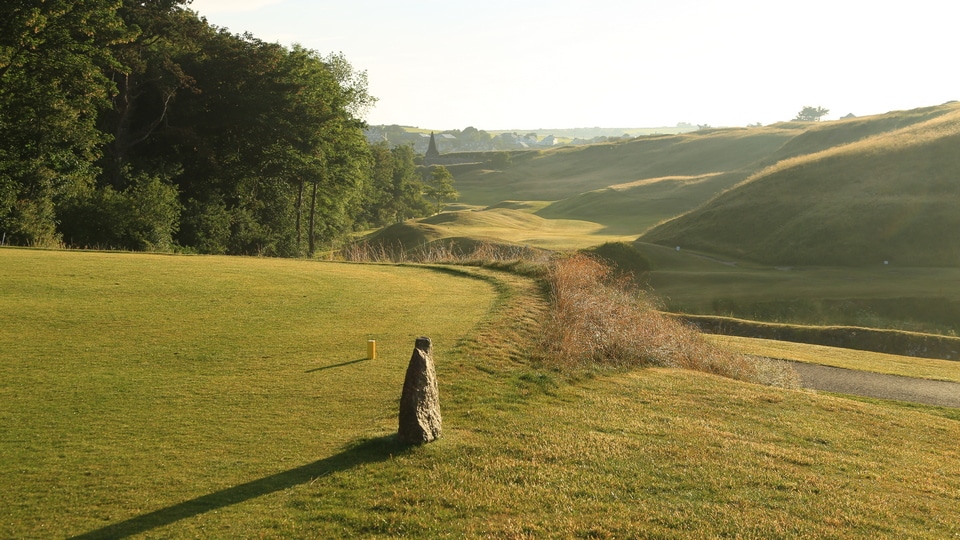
(322,368)
(369,451)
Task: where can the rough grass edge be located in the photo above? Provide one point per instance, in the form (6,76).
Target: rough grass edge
(597,319)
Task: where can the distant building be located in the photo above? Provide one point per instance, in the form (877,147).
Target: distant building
(432,153)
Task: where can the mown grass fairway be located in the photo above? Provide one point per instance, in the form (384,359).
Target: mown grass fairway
(212,397)
(498,225)
(130,383)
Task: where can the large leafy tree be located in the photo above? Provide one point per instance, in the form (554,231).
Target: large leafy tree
(224,135)
(396,189)
(407,189)
(441,187)
(377,205)
(135,124)
(271,146)
(405,193)
(148,79)
(331,153)
(53,58)
(135,204)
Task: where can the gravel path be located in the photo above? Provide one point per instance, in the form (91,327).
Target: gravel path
(876,385)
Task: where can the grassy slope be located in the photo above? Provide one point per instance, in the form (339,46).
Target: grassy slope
(821,136)
(594,194)
(914,299)
(103,434)
(888,197)
(568,172)
(634,207)
(628,187)
(496,225)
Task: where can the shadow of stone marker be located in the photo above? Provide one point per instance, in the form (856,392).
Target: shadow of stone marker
(420,420)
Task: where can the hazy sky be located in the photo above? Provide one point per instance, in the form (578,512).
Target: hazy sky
(514,64)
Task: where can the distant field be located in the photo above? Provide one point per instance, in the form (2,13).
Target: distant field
(185,397)
(501,224)
(568,172)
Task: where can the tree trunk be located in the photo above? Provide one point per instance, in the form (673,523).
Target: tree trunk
(121,133)
(311,233)
(299,215)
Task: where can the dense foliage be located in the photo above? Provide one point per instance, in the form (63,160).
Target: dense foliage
(138,125)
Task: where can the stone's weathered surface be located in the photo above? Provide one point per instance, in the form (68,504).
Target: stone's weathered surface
(420,420)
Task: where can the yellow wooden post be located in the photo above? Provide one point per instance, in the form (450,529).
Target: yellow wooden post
(371,349)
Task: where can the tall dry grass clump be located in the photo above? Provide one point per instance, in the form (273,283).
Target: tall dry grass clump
(372,253)
(598,320)
(449,252)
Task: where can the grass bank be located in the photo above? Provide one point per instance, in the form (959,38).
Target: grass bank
(886,197)
(893,342)
(495,225)
(912,299)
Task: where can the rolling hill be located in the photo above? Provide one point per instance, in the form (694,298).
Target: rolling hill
(633,207)
(834,201)
(628,187)
(568,172)
(858,191)
(887,198)
(495,225)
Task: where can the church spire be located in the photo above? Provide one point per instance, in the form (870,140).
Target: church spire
(432,152)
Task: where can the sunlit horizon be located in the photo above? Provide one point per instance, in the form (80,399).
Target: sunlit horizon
(500,65)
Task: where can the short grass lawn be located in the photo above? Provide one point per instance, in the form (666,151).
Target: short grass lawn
(131,383)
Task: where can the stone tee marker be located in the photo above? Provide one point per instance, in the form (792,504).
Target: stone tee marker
(420,401)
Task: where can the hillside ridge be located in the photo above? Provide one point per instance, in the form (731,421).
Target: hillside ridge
(887,198)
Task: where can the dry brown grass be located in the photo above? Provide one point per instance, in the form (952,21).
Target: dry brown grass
(599,320)
(451,251)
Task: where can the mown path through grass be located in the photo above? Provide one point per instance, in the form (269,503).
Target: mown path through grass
(878,385)
(863,373)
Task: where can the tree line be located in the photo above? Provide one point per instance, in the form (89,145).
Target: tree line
(138,125)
